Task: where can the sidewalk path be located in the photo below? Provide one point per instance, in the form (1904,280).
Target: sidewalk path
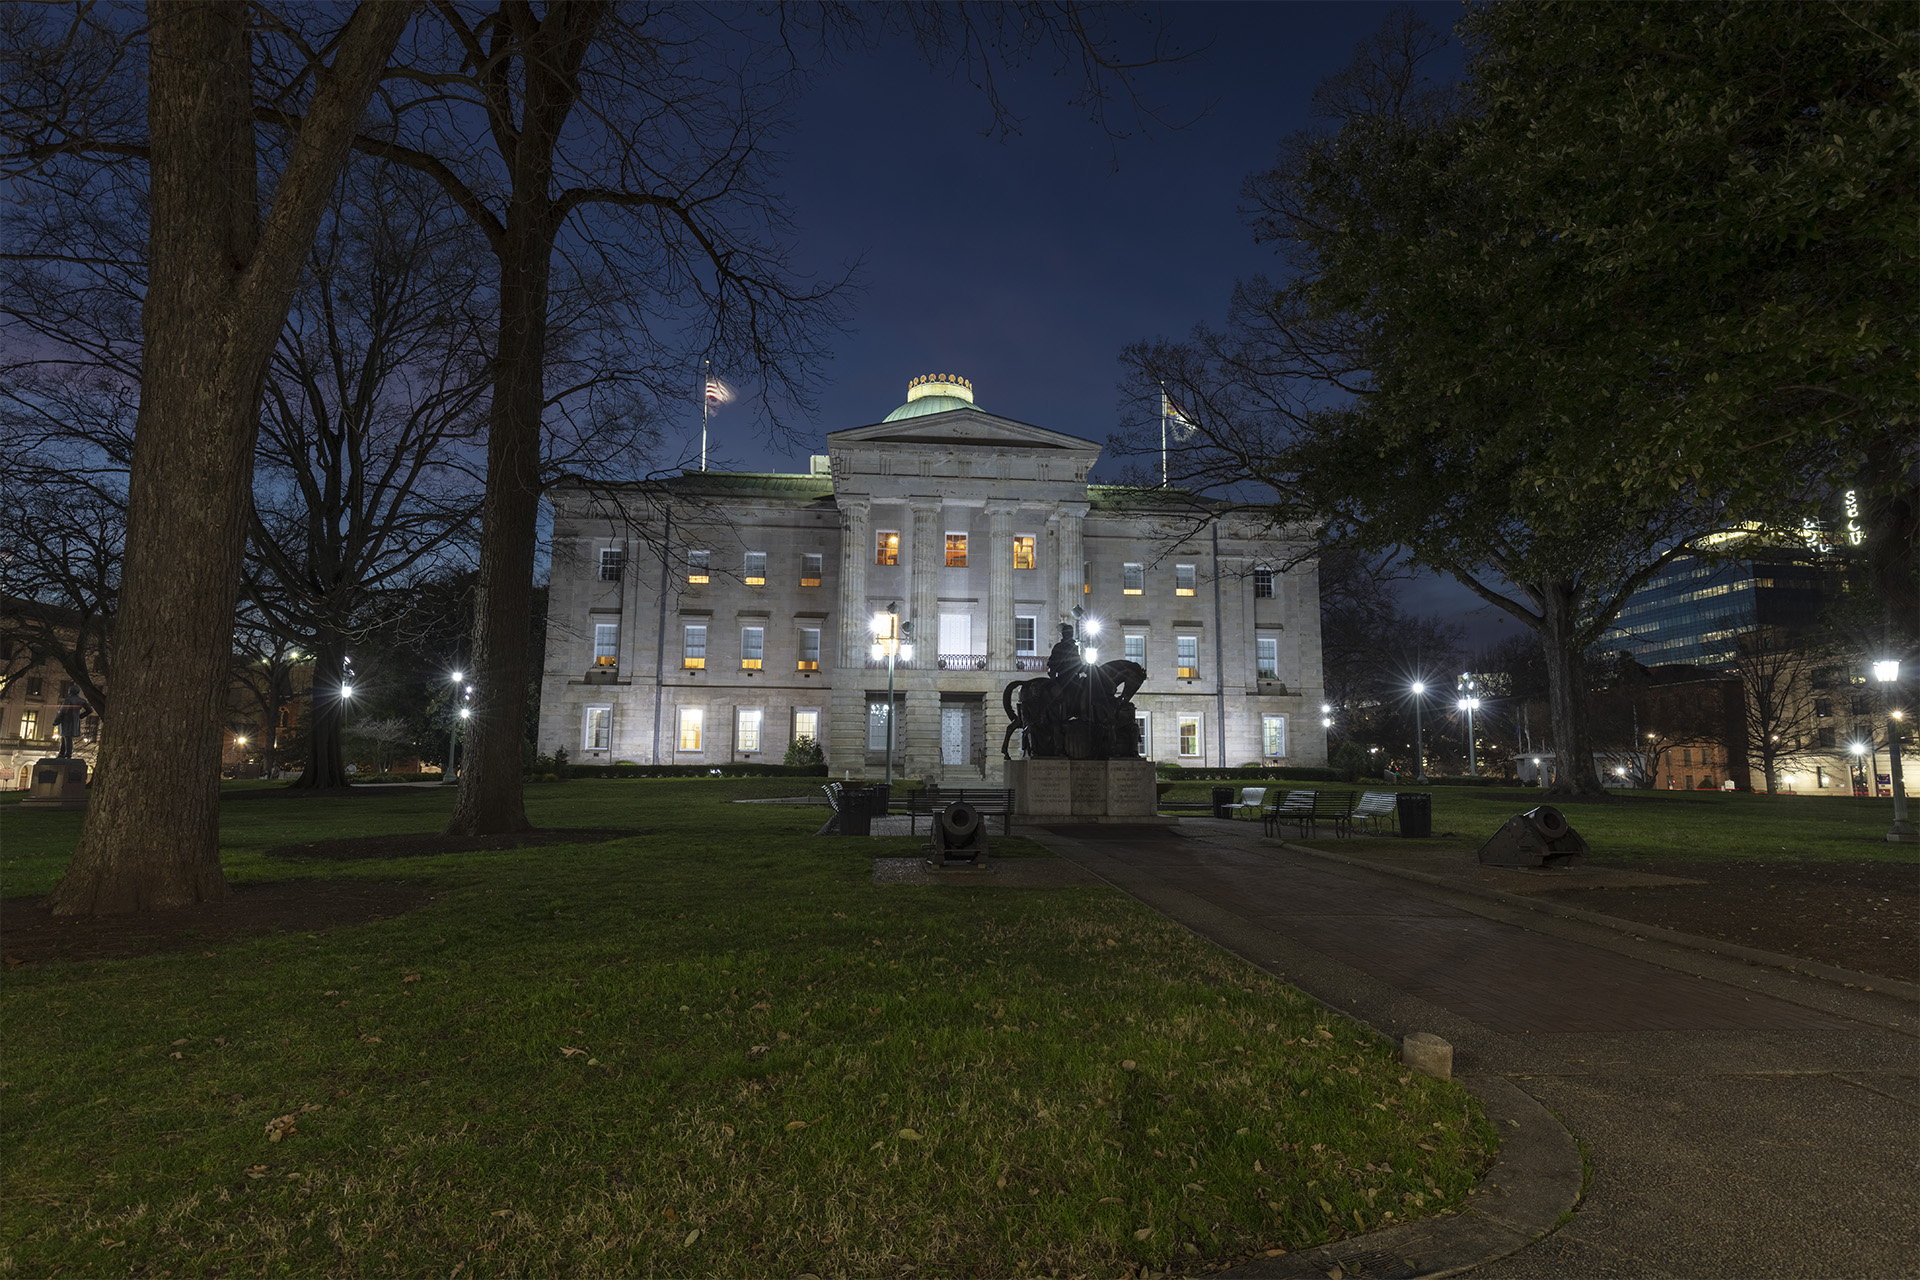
(1740,1120)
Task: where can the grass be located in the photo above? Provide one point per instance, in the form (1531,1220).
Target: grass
(716,1048)
(1668,826)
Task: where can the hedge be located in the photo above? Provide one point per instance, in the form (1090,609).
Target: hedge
(742,769)
(1303,773)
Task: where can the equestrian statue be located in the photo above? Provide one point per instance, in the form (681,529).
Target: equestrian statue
(1078,710)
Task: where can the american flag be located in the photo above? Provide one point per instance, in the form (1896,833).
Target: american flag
(1182,425)
(718,392)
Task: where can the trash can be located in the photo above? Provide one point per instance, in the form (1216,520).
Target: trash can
(1415,812)
(1224,798)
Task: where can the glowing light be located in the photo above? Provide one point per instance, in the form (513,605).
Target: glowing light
(880,626)
(1093,655)
(458,676)
(1419,687)
(1886,672)
(465,712)
(906,653)
(1093,626)
(346,691)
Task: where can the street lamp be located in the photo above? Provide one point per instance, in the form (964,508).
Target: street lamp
(1859,749)
(1419,738)
(888,641)
(1902,830)
(453,730)
(1469,702)
(1085,629)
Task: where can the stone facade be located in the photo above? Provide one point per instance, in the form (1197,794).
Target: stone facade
(980,531)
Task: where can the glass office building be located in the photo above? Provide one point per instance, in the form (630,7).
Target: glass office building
(1693,609)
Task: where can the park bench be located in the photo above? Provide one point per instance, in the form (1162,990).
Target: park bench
(1252,802)
(1377,808)
(1305,809)
(985,801)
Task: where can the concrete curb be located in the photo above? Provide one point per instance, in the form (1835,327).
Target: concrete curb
(1693,942)
(1534,1183)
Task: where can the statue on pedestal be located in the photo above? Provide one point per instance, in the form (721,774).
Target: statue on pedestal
(1078,710)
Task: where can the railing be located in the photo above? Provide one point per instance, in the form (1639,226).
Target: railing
(1029,662)
(963,662)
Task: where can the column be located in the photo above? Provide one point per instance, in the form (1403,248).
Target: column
(929,553)
(1000,587)
(856,549)
(1070,546)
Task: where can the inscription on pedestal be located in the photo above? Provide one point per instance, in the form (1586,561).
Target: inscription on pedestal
(1090,788)
(1042,788)
(1130,790)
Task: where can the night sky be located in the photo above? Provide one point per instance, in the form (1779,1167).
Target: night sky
(1027,263)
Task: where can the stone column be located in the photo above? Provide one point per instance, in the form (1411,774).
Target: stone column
(856,549)
(923,584)
(1070,546)
(1000,586)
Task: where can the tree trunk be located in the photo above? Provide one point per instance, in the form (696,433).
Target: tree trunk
(1567,692)
(219,287)
(326,763)
(490,799)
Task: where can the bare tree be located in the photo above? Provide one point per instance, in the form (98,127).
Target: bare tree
(1779,723)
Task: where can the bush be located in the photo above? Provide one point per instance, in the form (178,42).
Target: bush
(1349,761)
(803,753)
(1462,780)
(1282,773)
(739,769)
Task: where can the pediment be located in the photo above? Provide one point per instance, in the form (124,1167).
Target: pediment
(964,427)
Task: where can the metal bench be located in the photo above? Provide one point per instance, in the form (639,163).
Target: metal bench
(1376,808)
(985,801)
(1286,807)
(1252,802)
(1305,809)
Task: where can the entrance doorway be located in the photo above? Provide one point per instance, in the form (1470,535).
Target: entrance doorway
(956,734)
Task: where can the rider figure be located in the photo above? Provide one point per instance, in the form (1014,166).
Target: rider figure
(1065,662)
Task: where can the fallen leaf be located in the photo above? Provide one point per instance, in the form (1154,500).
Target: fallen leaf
(1143,1233)
(1326,1206)
(280,1126)
(783,1036)
(503,1213)
(412,977)
(207,954)
(1126,1064)
(180,1041)
(370,1039)
(726,1131)
(1111,1200)
(763,1005)
(758,1051)
(174,1054)
(909,1135)
(671,1215)
(795,1124)
(572,1053)
(691,1237)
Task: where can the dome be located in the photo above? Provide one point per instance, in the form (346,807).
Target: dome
(933,393)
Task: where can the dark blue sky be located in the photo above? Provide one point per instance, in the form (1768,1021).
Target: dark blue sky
(1027,263)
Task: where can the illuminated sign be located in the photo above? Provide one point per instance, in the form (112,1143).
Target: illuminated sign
(1855,534)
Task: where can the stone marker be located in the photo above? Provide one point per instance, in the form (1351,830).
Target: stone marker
(1428,1054)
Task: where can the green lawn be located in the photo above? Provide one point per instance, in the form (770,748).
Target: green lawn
(1665,826)
(715,1048)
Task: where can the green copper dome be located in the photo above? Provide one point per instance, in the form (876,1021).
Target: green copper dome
(934,393)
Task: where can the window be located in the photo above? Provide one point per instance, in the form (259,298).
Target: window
(1273,736)
(956,551)
(806,723)
(1189,735)
(36,688)
(697,563)
(692,721)
(1086,578)
(1266,658)
(753,647)
(877,724)
(29,724)
(746,729)
(1823,707)
(694,648)
(1183,579)
(606,644)
(1263,584)
(809,649)
(810,570)
(889,547)
(754,571)
(956,635)
(1823,737)
(612,561)
(1819,777)
(1143,725)
(1686,755)
(1023,550)
(1135,649)
(1187,655)
(1133,579)
(597,729)
(1024,631)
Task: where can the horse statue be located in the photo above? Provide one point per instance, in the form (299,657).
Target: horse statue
(1079,710)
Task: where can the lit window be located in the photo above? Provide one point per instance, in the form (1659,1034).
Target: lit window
(1263,584)
(1133,579)
(1143,726)
(612,561)
(1023,551)
(746,729)
(1024,630)
(956,551)
(877,725)
(810,570)
(809,649)
(1136,649)
(694,648)
(1273,736)
(755,569)
(36,688)
(692,721)
(1187,655)
(1086,578)
(889,547)
(606,644)
(1266,658)
(597,732)
(697,563)
(30,724)
(753,646)
(1183,578)
(1189,735)
(806,723)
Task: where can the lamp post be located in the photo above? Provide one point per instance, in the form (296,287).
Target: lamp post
(1419,738)
(1467,687)
(453,731)
(1902,831)
(1085,629)
(888,636)
(1858,773)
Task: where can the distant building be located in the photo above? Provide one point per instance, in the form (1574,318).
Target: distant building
(33,685)
(717,617)
(1694,609)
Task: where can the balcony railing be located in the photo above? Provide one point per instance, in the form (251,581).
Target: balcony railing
(963,662)
(1029,662)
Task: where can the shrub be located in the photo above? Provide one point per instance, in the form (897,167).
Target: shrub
(1349,761)
(804,752)
(1283,773)
(740,769)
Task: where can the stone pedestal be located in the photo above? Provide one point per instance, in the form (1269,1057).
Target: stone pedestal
(1074,791)
(58,784)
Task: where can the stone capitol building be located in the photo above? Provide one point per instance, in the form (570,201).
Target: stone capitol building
(717,616)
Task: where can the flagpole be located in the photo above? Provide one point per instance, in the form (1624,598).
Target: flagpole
(706,404)
(1163,435)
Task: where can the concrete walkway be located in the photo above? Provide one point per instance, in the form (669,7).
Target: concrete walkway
(1740,1119)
